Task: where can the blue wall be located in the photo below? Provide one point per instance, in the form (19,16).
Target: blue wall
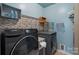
(58,13)
(29,9)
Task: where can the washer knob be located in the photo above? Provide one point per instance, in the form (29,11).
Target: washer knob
(27,31)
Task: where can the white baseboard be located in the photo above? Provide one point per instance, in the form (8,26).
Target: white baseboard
(67,53)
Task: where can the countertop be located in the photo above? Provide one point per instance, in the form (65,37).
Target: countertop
(46,33)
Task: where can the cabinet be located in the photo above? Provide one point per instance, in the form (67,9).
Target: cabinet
(9,12)
(51,42)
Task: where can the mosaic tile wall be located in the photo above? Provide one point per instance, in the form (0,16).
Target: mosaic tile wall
(22,23)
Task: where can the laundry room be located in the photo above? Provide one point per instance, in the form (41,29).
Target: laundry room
(37,29)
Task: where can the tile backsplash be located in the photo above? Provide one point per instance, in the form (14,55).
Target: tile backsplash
(23,23)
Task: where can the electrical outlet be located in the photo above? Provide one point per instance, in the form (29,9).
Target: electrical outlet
(62,46)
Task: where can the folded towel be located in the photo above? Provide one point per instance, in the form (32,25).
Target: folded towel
(43,44)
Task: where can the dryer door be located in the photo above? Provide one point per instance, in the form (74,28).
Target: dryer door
(24,46)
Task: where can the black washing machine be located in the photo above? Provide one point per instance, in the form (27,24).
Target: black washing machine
(19,41)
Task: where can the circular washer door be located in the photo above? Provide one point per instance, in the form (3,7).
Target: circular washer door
(24,46)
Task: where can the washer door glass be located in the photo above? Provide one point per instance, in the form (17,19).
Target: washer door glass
(25,46)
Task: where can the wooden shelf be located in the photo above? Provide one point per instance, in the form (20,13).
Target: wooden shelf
(42,22)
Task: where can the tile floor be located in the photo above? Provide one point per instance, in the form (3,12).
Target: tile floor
(59,53)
